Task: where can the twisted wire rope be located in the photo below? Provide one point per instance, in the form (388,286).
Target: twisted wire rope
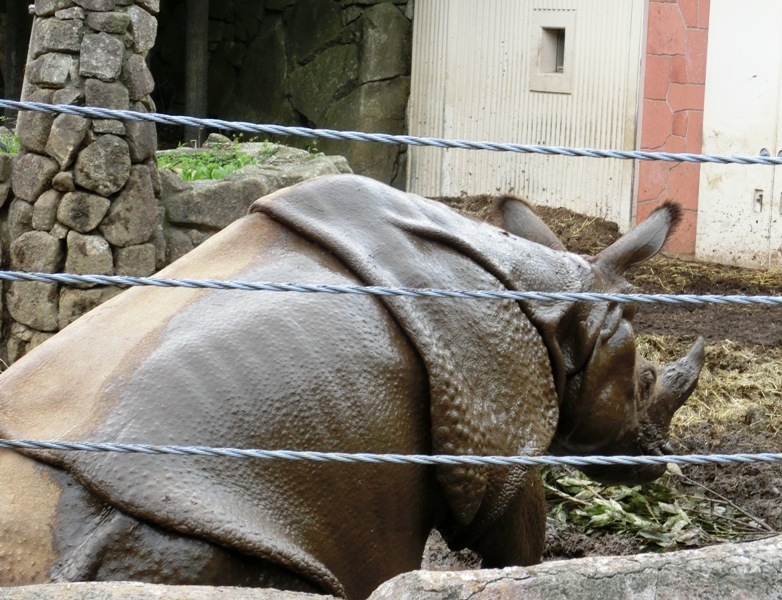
(419,459)
(384,138)
(374,290)
(576,461)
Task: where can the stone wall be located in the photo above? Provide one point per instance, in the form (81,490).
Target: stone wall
(195,210)
(84,192)
(340,64)
(84,195)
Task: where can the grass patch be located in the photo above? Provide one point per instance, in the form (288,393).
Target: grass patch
(192,164)
(9,144)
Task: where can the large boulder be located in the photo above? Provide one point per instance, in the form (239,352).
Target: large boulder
(137,591)
(213,204)
(727,571)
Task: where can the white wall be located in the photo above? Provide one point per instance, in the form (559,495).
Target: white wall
(475,76)
(740,207)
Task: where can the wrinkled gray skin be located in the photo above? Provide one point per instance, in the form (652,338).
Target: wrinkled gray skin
(330,373)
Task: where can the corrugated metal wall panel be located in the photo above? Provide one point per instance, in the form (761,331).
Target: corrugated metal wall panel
(471,80)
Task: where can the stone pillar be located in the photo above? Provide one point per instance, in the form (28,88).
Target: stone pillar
(85,191)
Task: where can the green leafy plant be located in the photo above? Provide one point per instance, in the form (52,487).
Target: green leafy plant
(9,143)
(205,164)
(662,517)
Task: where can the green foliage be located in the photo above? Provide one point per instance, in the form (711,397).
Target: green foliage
(9,144)
(659,515)
(206,164)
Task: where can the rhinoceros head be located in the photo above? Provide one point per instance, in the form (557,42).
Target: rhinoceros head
(612,401)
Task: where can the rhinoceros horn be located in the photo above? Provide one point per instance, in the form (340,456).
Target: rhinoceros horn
(612,401)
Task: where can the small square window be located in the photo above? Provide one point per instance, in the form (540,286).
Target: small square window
(552,58)
(551,49)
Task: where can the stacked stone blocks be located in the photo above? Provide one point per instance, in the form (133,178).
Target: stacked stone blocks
(85,191)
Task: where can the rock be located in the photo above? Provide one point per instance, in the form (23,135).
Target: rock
(68,95)
(32,175)
(45,8)
(108,22)
(264,68)
(137,591)
(133,214)
(217,141)
(53,69)
(88,255)
(59,231)
(5,189)
(20,218)
(152,6)
(143,26)
(96,5)
(67,135)
(6,164)
(154,175)
(276,177)
(313,25)
(63,181)
(137,78)
(135,261)
(36,252)
(384,32)
(113,95)
(178,243)
(45,210)
(727,571)
(33,304)
(82,211)
(56,35)
(109,126)
(21,341)
(34,127)
(141,137)
(214,204)
(101,56)
(74,303)
(104,166)
(158,240)
(376,106)
(315,86)
(74,12)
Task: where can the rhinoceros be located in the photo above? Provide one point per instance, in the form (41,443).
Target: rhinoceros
(342,373)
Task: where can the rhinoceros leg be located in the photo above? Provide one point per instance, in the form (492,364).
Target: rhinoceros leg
(517,536)
(97,542)
(57,531)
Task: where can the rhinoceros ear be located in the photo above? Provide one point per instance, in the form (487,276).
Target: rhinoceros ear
(643,241)
(519,218)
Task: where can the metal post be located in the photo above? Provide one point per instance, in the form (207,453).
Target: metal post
(196,64)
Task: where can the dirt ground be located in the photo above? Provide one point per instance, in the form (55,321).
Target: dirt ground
(737,407)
